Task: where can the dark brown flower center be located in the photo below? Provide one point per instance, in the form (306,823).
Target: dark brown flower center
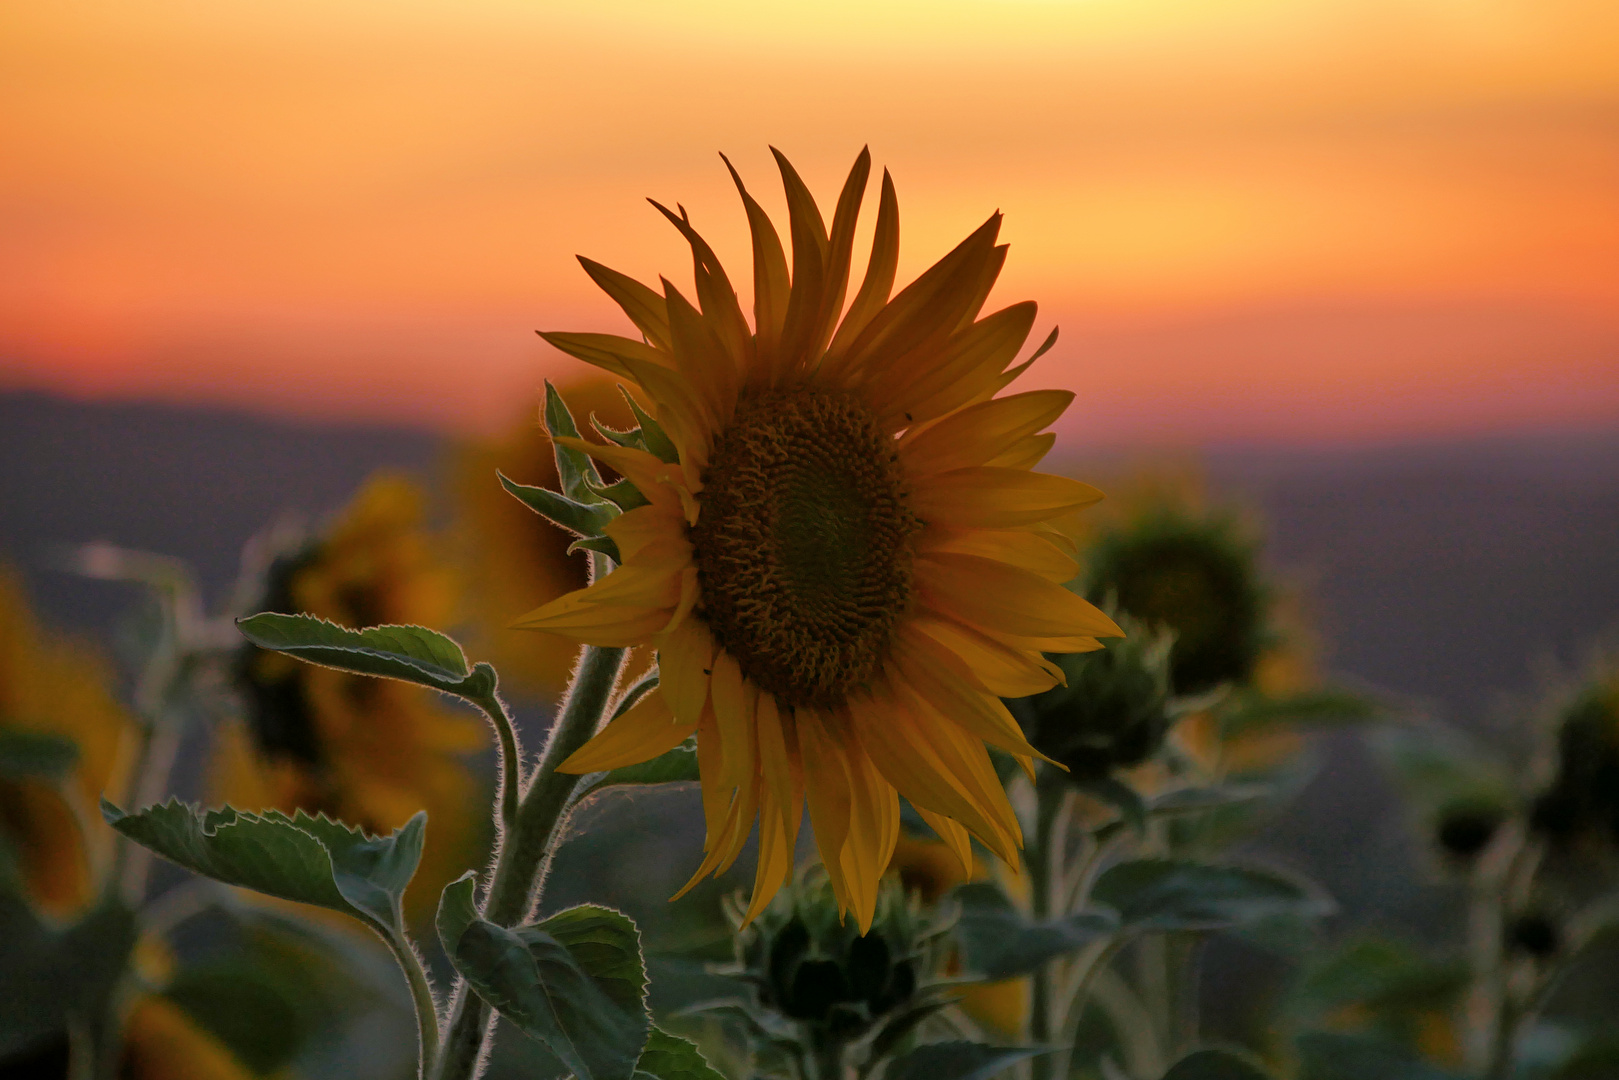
(802,544)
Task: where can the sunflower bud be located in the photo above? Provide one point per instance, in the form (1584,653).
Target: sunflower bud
(1583,798)
(1196,576)
(1114,712)
(811,966)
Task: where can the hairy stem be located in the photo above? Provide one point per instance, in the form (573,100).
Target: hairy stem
(511,759)
(421,995)
(526,846)
(1045,866)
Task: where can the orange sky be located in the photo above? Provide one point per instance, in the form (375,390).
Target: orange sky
(1295,220)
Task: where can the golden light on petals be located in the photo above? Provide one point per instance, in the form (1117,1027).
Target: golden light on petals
(850,562)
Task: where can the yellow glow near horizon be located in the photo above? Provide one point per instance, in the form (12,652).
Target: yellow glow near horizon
(284,204)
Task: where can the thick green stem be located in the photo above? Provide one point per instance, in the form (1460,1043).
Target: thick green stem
(526,846)
(421,995)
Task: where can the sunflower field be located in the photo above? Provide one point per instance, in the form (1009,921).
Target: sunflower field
(763,710)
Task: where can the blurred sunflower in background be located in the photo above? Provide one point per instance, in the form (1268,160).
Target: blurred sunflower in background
(64,741)
(56,690)
(1166,555)
(510,560)
(370,752)
(844,559)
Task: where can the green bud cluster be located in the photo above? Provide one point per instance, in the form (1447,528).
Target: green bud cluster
(1115,711)
(811,966)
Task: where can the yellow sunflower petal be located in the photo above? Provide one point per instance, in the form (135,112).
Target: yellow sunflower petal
(621,356)
(866,852)
(776,760)
(979,433)
(735,714)
(648,729)
(1026,453)
(840,246)
(645,525)
(775,857)
(946,376)
(986,497)
(1023,548)
(955,838)
(878,283)
(714,293)
(771,285)
(685,658)
(826,784)
(995,597)
(944,682)
(655,479)
(645,307)
(1004,670)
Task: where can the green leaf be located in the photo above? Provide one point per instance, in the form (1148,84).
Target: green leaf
(998,942)
(958,1061)
(1196,800)
(657,441)
(574,467)
(1175,894)
(36,754)
(408,653)
(1310,707)
(579,518)
(677,766)
(575,981)
(604,544)
(1332,1056)
(1216,1065)
(669,1057)
(457,910)
(49,976)
(313,860)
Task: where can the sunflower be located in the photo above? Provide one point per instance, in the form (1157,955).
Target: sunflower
(368,751)
(845,558)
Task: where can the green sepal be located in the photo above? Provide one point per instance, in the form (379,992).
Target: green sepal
(677,766)
(575,982)
(657,441)
(630,440)
(1177,894)
(408,653)
(574,467)
(622,494)
(1216,1065)
(36,754)
(959,1061)
(579,518)
(669,1057)
(604,544)
(312,860)
(999,942)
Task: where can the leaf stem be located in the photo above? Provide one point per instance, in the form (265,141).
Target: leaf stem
(1045,866)
(421,995)
(511,758)
(525,848)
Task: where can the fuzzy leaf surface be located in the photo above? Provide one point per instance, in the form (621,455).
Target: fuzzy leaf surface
(574,467)
(669,1057)
(574,981)
(408,653)
(1177,894)
(312,860)
(581,519)
(999,942)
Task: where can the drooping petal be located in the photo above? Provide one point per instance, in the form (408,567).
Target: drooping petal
(954,836)
(826,786)
(734,711)
(943,682)
(715,294)
(1002,669)
(646,730)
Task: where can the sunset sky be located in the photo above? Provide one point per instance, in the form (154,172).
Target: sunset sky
(1255,220)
